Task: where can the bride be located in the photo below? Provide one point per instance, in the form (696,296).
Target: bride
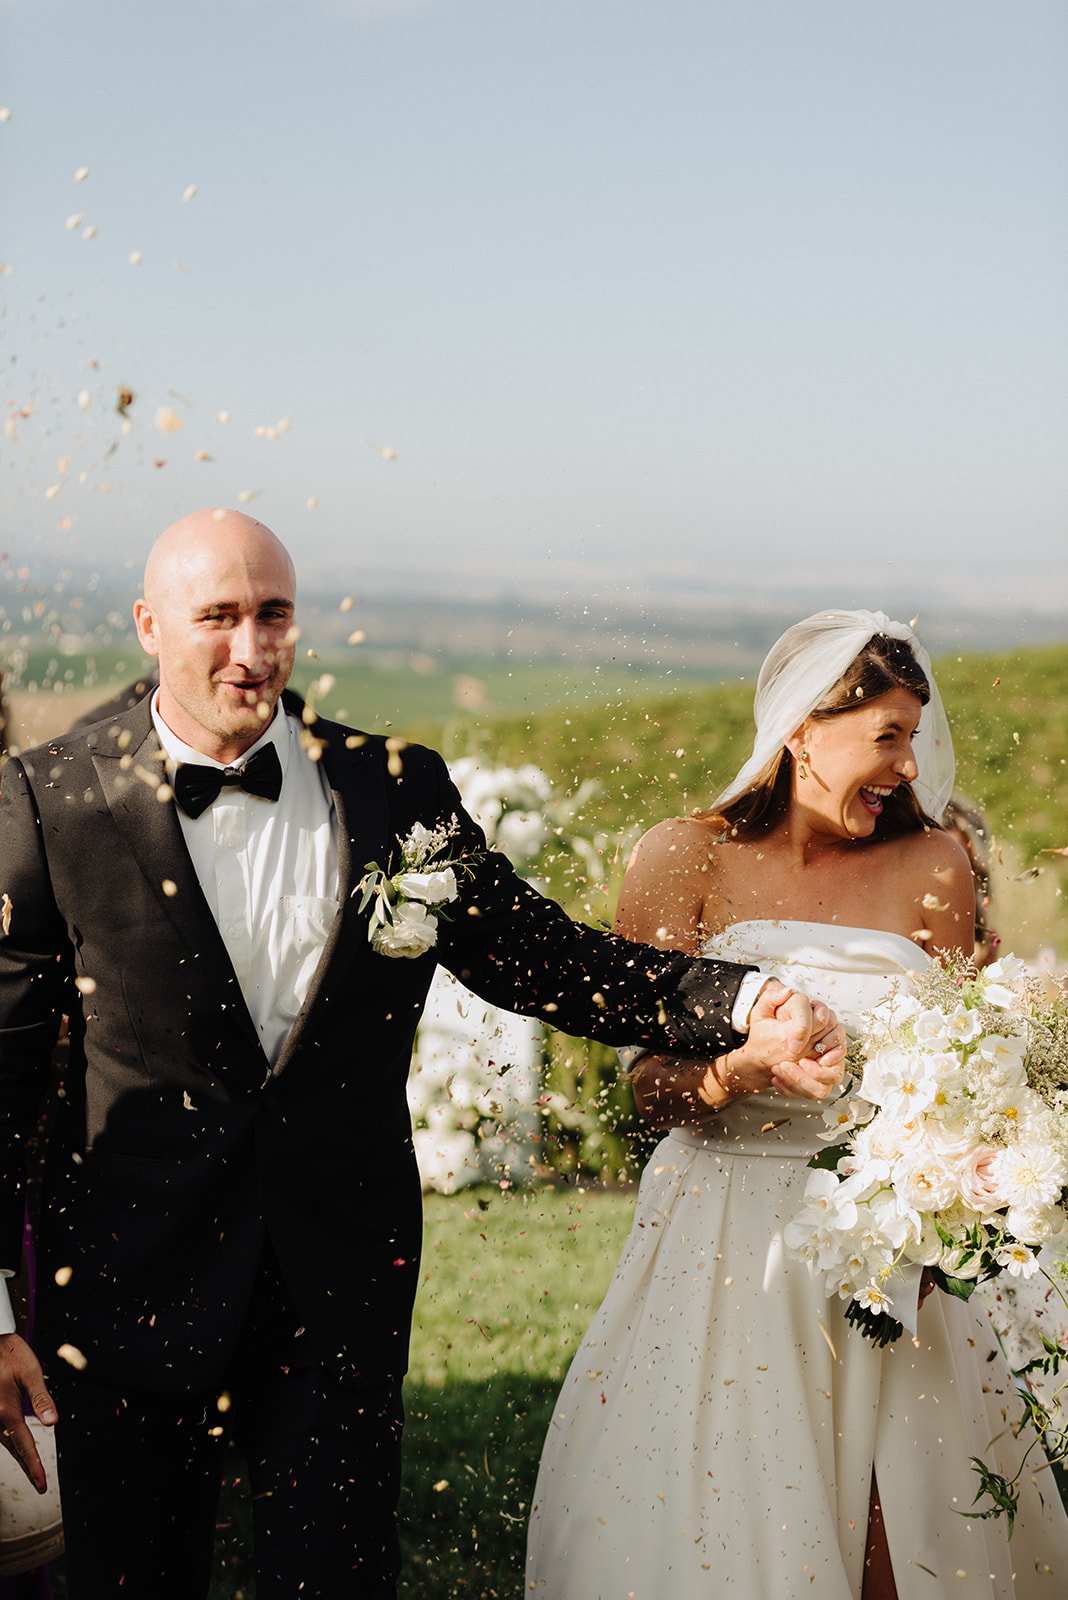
(722,1430)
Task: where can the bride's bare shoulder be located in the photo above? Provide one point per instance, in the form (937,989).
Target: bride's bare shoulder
(933,850)
(934,877)
(667,884)
(680,845)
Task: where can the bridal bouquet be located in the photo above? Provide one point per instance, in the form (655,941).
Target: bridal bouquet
(407,904)
(949,1152)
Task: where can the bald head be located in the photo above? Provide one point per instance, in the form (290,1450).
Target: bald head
(217,612)
(195,543)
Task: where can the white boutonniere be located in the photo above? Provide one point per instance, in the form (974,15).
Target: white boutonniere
(407,904)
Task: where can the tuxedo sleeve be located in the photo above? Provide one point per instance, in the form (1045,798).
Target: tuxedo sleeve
(33,968)
(520,950)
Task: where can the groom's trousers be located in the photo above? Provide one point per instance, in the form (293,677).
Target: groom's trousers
(140,1474)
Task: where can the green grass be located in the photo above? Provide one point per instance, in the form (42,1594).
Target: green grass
(509,1285)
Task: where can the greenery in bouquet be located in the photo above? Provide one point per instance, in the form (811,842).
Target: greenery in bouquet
(948,1153)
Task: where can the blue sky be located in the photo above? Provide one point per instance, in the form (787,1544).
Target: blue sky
(636,290)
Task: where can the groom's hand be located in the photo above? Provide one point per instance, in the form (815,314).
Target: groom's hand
(799,1040)
(20,1374)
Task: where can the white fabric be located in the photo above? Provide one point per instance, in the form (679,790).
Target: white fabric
(803,666)
(7,1314)
(268,870)
(709,1441)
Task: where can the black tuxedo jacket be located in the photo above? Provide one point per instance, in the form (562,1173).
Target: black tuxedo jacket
(178,1148)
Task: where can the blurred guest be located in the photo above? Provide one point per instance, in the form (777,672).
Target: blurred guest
(968,825)
(30,1528)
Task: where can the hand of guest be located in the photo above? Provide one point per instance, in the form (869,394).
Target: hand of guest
(799,1041)
(20,1374)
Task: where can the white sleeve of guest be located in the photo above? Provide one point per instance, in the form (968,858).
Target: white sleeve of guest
(7,1316)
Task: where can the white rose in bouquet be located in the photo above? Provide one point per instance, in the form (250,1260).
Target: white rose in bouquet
(926,1180)
(976,1183)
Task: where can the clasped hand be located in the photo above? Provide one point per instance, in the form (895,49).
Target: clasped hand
(795,1045)
(20,1374)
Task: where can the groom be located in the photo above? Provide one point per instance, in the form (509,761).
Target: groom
(232,1220)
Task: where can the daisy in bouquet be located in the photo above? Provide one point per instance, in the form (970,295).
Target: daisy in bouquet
(948,1153)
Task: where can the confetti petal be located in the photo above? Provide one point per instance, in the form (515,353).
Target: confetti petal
(75,220)
(81,174)
(188,193)
(167,420)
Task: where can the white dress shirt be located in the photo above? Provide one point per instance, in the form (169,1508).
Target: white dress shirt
(268,870)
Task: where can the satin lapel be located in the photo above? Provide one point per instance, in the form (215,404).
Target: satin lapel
(153,835)
(358,789)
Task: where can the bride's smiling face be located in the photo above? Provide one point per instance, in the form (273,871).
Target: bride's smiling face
(853,761)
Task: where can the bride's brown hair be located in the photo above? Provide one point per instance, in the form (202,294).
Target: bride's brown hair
(882,665)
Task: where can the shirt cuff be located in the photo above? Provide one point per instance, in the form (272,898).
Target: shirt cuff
(746,999)
(7,1316)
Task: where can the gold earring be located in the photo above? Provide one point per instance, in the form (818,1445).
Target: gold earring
(802,762)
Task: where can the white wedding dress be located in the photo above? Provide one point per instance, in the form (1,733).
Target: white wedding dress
(717,1431)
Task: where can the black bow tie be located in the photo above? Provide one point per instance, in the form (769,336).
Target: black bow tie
(196,787)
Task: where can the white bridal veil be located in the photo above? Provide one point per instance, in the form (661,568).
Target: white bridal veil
(804,665)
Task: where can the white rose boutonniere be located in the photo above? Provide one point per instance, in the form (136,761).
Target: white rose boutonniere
(406,905)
